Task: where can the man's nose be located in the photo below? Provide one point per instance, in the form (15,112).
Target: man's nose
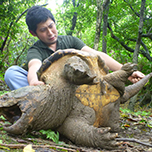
(50,32)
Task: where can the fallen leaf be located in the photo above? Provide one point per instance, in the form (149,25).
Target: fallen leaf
(28,148)
(126,125)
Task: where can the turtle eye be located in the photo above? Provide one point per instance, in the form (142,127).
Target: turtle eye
(102,65)
(101,62)
(43,79)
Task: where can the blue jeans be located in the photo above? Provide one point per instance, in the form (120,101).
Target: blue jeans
(16,77)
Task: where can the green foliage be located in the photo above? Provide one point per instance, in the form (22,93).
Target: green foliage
(2,117)
(142,117)
(144,65)
(137,113)
(51,135)
(3,92)
(85,12)
(14,35)
(123,18)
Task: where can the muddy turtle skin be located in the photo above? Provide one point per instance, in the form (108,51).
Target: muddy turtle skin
(80,99)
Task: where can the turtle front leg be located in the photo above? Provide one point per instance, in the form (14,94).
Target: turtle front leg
(81,133)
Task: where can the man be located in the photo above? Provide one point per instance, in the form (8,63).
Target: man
(41,24)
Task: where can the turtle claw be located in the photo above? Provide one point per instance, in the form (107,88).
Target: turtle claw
(103,138)
(119,143)
(104,130)
(113,136)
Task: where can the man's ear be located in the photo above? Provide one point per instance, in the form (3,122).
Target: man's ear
(32,33)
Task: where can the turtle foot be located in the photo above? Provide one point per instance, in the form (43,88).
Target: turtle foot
(104,139)
(87,135)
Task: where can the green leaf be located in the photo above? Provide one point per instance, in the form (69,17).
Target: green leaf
(2,117)
(51,135)
(3,147)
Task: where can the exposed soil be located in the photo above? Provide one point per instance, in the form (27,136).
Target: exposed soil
(136,128)
(137,132)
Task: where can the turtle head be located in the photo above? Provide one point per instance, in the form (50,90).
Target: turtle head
(77,71)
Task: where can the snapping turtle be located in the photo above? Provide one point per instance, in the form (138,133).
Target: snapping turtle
(80,99)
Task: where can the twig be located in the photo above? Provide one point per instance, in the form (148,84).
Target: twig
(133,140)
(21,146)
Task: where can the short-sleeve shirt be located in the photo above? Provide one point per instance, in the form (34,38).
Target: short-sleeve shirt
(40,51)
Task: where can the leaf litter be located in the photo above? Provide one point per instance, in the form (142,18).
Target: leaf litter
(135,134)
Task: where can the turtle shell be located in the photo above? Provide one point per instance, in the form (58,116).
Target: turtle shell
(56,56)
(97,95)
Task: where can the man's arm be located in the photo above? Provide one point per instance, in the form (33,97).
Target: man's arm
(114,65)
(110,62)
(33,67)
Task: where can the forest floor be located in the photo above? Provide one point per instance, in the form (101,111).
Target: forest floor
(135,132)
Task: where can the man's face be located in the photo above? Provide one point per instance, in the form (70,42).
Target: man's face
(47,32)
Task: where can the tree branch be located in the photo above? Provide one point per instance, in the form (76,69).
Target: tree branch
(21,146)
(149,35)
(144,53)
(133,140)
(121,42)
(11,24)
(16,60)
(137,14)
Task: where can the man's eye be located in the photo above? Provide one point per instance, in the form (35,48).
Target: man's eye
(50,26)
(42,30)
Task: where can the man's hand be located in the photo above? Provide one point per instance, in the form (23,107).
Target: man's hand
(36,82)
(136,76)
(33,66)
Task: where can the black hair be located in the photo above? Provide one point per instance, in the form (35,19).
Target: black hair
(36,15)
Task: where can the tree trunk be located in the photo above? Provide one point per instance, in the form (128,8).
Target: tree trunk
(105,23)
(74,19)
(142,10)
(132,102)
(98,22)
(146,99)
(138,42)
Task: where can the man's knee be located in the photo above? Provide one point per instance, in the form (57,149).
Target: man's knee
(16,77)
(11,72)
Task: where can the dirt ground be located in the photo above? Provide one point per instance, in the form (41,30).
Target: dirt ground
(135,133)
(136,136)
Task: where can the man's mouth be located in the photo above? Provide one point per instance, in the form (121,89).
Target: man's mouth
(52,38)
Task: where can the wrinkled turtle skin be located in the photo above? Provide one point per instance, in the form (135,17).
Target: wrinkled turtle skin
(80,99)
